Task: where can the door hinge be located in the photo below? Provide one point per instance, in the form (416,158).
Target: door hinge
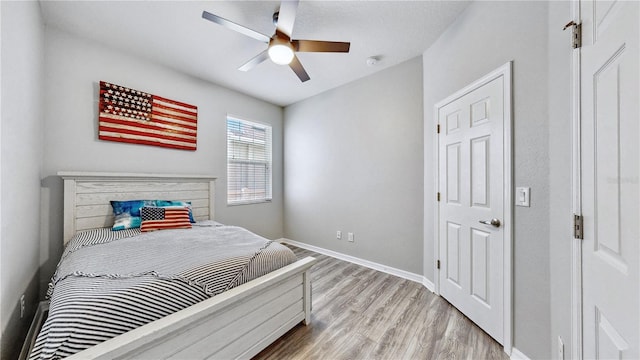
(438,196)
(438,128)
(438,264)
(576,34)
(578,227)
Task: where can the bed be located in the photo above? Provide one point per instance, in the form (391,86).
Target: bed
(235,322)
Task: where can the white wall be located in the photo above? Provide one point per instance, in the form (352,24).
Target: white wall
(560,150)
(353,162)
(75,66)
(487,35)
(22,83)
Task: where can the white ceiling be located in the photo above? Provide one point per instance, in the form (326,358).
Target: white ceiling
(174,34)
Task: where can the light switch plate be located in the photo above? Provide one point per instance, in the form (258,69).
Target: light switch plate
(523,196)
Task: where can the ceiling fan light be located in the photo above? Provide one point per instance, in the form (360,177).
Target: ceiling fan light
(281,54)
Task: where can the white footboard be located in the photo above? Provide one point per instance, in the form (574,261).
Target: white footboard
(236,324)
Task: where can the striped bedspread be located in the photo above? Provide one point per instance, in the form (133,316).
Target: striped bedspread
(110,282)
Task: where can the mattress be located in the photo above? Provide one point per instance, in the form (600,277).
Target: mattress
(110,282)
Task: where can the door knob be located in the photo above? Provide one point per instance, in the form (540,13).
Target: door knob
(494,222)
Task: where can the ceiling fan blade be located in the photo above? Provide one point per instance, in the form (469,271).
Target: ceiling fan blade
(297,67)
(254,61)
(320,46)
(287,16)
(235,27)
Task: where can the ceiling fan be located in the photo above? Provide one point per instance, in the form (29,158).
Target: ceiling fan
(281,48)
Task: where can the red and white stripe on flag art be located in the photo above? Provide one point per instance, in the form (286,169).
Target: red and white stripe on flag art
(159,218)
(133,116)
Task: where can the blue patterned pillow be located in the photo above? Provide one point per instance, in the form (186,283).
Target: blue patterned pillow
(187,204)
(127,213)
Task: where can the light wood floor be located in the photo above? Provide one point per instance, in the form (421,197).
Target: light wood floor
(359,313)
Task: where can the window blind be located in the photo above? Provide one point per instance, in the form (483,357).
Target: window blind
(248,162)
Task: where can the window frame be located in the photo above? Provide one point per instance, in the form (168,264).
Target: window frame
(268,161)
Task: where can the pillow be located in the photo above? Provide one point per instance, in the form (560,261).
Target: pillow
(187,204)
(127,213)
(162,218)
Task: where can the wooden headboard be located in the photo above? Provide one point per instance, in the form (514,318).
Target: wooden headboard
(87,195)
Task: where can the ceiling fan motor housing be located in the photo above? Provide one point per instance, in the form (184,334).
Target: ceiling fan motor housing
(281,50)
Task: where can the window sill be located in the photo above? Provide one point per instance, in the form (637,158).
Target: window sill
(248,202)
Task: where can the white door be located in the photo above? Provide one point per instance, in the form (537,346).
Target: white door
(610,146)
(472,174)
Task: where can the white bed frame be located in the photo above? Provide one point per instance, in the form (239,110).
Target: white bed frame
(238,323)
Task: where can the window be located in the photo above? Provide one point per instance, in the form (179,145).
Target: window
(248,162)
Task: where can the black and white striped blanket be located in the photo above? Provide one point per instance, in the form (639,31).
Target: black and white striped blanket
(108,283)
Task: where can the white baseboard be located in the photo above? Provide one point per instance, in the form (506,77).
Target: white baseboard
(366,263)
(428,284)
(518,355)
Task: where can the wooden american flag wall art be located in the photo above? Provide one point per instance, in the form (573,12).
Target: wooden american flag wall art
(133,116)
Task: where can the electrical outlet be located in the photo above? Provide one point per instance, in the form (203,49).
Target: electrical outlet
(339,235)
(560,348)
(350,236)
(22,306)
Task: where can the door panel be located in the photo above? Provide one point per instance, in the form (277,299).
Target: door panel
(479,112)
(480,169)
(480,262)
(453,173)
(610,344)
(453,122)
(610,178)
(471,168)
(453,254)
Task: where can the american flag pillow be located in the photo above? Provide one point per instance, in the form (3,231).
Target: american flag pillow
(161,218)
